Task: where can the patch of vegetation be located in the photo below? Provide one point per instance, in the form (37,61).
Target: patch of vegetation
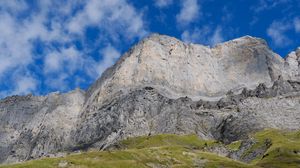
(234,146)
(187,141)
(147,157)
(282,148)
(179,151)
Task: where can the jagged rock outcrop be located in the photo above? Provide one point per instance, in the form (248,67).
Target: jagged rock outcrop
(161,85)
(292,65)
(145,111)
(35,126)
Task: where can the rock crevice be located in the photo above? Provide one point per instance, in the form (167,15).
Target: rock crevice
(161,85)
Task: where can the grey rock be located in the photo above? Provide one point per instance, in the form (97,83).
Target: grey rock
(245,155)
(177,69)
(62,164)
(33,127)
(161,85)
(146,112)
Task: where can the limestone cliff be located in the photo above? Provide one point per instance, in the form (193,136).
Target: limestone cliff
(161,85)
(178,69)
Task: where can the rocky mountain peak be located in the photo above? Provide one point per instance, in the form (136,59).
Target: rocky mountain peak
(161,85)
(178,69)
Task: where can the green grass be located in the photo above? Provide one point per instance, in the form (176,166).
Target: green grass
(188,141)
(234,146)
(179,151)
(283,150)
(167,155)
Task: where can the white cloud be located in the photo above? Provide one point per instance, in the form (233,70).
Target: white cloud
(25,85)
(196,35)
(297,25)
(217,36)
(61,65)
(189,12)
(68,59)
(163,3)
(14,47)
(13,5)
(111,15)
(110,55)
(277,32)
(56,25)
(53,63)
(16,44)
(268,4)
(58,82)
(206,35)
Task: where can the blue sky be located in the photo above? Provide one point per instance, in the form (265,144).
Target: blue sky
(48,45)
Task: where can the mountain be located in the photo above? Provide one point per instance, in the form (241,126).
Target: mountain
(161,86)
(273,149)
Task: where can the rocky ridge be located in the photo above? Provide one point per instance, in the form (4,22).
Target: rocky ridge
(161,85)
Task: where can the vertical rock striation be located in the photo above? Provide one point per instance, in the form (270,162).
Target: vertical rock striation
(161,85)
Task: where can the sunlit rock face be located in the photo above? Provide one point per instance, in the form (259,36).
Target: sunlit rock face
(173,69)
(196,71)
(161,85)
(292,68)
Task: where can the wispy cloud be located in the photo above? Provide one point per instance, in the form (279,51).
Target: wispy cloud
(190,11)
(110,55)
(25,84)
(13,6)
(67,60)
(206,35)
(297,24)
(163,3)
(263,5)
(110,15)
(277,31)
(59,26)
(217,36)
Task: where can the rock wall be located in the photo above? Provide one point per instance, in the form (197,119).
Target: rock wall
(178,69)
(161,85)
(32,127)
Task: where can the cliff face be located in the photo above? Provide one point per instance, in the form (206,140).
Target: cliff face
(32,126)
(161,85)
(178,69)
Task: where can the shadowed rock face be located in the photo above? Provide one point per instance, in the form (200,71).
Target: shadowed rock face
(146,112)
(161,85)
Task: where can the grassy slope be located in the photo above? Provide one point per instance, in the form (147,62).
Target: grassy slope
(283,151)
(179,151)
